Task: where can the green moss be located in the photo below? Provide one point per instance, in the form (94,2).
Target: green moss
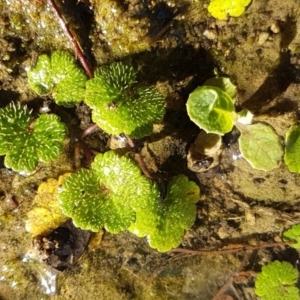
(127,33)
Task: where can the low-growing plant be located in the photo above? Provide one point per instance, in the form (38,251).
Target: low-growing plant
(120,107)
(163,221)
(277,281)
(25,142)
(211,107)
(59,75)
(293,235)
(113,194)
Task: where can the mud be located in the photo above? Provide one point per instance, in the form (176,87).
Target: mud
(175,46)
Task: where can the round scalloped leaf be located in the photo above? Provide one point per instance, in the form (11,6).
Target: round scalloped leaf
(102,197)
(211,109)
(49,133)
(60,75)
(293,235)
(118,107)
(260,146)
(40,77)
(24,143)
(147,213)
(46,214)
(14,119)
(164,221)
(292,149)
(277,282)
(219,9)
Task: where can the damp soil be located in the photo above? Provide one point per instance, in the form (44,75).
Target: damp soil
(175,46)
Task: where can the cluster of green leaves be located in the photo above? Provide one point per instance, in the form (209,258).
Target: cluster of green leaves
(211,107)
(25,141)
(117,105)
(277,281)
(113,194)
(219,9)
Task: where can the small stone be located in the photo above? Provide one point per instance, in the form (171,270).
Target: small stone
(209,34)
(275,28)
(262,38)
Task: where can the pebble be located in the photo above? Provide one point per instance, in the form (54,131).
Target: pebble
(209,34)
(275,28)
(262,38)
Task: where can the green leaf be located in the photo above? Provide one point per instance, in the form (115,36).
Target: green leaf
(277,282)
(49,133)
(222,83)
(211,109)
(118,107)
(293,235)
(164,221)
(219,9)
(260,146)
(102,197)
(292,149)
(59,75)
(26,143)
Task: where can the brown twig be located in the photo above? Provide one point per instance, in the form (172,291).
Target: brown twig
(229,250)
(89,130)
(72,39)
(138,157)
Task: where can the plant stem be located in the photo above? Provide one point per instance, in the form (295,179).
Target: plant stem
(89,130)
(229,249)
(138,157)
(72,39)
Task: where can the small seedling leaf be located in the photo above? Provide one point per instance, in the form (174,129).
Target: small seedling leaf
(293,235)
(292,149)
(219,9)
(277,281)
(58,74)
(118,107)
(211,109)
(260,146)
(222,83)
